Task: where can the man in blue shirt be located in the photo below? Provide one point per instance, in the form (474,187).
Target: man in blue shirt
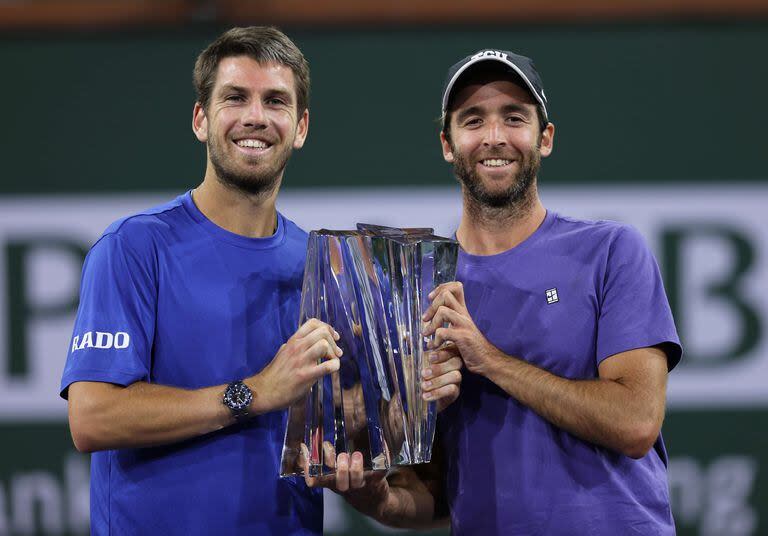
(185,348)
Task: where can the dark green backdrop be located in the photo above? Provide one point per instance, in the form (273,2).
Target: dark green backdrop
(631,103)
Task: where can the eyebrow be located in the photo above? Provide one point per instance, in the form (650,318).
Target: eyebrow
(231,87)
(479,110)
(517,108)
(274,92)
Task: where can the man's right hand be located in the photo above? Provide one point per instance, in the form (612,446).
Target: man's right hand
(309,354)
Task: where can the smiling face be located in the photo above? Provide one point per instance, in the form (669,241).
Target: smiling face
(495,142)
(251,124)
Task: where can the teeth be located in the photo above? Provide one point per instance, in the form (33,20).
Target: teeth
(495,162)
(258,144)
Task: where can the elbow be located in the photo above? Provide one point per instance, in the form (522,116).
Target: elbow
(82,442)
(85,420)
(81,432)
(636,452)
(639,440)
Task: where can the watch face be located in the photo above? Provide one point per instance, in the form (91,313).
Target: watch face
(238,396)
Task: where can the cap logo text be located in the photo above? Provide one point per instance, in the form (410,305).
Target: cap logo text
(486,53)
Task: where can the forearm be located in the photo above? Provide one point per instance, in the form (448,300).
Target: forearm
(105,416)
(613,413)
(622,409)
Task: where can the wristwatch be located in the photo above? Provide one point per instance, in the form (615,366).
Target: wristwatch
(237,397)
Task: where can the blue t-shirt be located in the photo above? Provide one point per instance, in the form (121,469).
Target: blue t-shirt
(168,297)
(571,295)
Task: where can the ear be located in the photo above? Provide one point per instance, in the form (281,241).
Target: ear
(302,127)
(547,140)
(447,151)
(200,123)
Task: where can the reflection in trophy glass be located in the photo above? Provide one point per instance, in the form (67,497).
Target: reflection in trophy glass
(371,285)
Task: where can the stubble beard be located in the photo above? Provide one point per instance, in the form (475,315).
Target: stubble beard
(511,203)
(258,182)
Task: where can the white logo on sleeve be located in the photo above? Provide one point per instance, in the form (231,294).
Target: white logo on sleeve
(101,340)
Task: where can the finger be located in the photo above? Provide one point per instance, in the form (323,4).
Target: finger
(320,350)
(442,335)
(306,327)
(446,393)
(313,324)
(342,472)
(437,298)
(323,481)
(449,378)
(321,333)
(435,370)
(430,312)
(321,369)
(454,287)
(329,455)
(304,456)
(356,471)
(443,316)
(444,287)
(447,299)
(441,355)
(450,300)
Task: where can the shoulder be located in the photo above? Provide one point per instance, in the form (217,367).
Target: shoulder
(598,228)
(606,233)
(140,231)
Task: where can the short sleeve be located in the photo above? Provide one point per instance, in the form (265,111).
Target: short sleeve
(114,328)
(634,310)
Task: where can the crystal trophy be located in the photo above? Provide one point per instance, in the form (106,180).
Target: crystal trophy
(371,285)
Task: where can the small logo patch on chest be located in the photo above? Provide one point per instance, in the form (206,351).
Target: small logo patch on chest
(552,296)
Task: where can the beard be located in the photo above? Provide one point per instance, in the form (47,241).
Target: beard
(517,196)
(260,180)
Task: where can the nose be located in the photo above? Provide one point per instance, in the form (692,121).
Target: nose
(494,134)
(254,115)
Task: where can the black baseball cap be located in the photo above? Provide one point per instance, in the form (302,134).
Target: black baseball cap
(521,65)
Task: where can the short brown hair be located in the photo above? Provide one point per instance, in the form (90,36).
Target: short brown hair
(262,43)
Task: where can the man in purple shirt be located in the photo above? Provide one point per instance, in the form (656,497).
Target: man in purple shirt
(566,335)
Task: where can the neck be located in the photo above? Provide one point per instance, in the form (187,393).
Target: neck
(490,230)
(250,215)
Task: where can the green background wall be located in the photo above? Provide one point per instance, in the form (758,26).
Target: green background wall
(631,103)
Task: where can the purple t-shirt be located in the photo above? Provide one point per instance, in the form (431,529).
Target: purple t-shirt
(571,295)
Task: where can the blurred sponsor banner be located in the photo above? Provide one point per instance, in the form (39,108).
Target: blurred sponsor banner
(711,243)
